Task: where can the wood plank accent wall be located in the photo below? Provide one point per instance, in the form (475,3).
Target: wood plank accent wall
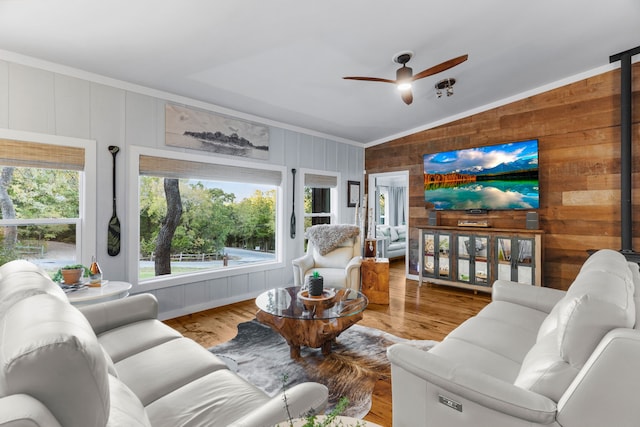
(578,128)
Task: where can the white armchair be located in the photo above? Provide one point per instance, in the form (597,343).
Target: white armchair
(340,267)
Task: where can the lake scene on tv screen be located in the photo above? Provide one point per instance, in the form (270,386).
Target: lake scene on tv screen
(501,176)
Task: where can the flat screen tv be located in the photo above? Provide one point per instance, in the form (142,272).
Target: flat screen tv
(494,177)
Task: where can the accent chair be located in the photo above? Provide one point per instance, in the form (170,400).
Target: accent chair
(340,267)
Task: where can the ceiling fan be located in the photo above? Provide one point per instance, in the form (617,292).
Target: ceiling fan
(404,74)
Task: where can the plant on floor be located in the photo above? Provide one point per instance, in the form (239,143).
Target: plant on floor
(312,419)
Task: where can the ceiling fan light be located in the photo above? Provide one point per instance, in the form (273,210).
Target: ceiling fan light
(402,86)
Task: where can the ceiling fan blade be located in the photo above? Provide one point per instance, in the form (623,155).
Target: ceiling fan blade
(407,96)
(371,79)
(440,67)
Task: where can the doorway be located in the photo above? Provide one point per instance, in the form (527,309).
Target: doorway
(388,197)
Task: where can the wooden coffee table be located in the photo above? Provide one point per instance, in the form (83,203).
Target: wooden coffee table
(310,321)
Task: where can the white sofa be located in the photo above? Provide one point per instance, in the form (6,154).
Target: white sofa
(394,238)
(114,364)
(532,357)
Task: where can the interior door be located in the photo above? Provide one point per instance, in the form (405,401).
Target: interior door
(378,201)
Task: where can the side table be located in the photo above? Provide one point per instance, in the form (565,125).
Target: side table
(108,291)
(375,279)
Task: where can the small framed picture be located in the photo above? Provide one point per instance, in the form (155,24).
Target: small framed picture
(353,193)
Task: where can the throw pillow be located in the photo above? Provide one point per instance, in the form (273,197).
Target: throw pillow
(326,237)
(382,231)
(393,234)
(402,232)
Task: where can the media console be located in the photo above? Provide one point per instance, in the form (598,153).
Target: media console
(474,258)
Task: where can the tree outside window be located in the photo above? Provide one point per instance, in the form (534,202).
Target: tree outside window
(195,225)
(40,215)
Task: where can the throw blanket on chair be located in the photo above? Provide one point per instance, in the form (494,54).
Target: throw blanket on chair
(327,237)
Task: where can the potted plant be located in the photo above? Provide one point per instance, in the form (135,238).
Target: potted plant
(312,420)
(71,274)
(316,284)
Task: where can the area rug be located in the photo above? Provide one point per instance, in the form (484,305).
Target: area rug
(357,361)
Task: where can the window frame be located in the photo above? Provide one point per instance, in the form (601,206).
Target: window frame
(133,214)
(86,241)
(335,194)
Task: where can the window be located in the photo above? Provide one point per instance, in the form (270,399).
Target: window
(41,203)
(320,198)
(382,206)
(197,216)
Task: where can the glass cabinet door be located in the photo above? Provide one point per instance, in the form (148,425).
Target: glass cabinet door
(503,258)
(444,252)
(464,258)
(481,266)
(473,266)
(436,256)
(429,240)
(515,259)
(524,261)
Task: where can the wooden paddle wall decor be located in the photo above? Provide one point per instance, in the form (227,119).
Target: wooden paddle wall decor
(292,224)
(113,231)
(578,128)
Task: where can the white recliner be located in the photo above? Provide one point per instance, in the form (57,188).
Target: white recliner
(532,357)
(340,268)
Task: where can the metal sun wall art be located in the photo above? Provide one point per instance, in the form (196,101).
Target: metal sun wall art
(200,130)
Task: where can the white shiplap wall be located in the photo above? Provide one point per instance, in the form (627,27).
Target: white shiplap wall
(51,100)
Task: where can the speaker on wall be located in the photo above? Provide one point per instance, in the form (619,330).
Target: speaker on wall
(433,218)
(532,220)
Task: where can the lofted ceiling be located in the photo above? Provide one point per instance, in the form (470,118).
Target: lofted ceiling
(282,61)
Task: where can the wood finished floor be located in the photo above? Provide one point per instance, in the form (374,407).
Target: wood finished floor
(429,312)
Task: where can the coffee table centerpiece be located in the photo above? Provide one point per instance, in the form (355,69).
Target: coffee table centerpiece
(312,321)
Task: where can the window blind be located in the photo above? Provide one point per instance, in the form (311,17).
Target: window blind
(174,168)
(320,181)
(37,155)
